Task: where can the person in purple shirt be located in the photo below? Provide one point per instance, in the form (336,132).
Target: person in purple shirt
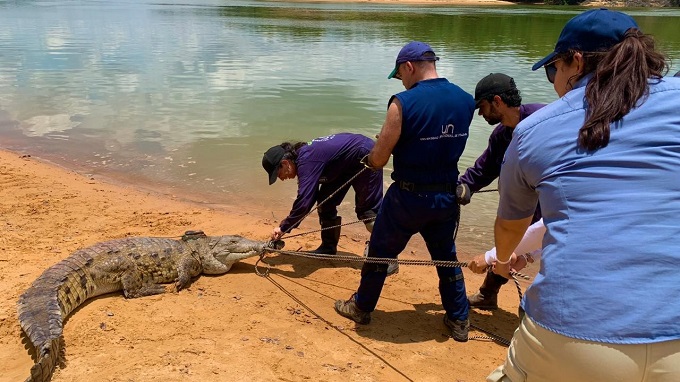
(499,102)
(323,166)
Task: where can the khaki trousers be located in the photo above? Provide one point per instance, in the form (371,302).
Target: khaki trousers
(539,355)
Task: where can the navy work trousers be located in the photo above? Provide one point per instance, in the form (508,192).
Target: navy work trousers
(404,213)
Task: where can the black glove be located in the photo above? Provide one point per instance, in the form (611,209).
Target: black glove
(364,161)
(463,194)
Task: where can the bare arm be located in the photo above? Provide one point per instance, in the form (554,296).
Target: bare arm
(531,243)
(508,234)
(389,135)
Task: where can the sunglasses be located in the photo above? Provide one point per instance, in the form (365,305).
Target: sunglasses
(551,70)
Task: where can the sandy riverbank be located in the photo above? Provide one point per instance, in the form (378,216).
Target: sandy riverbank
(235,327)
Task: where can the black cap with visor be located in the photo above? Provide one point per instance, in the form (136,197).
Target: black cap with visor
(271,161)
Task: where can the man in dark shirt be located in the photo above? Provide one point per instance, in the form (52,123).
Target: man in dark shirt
(499,102)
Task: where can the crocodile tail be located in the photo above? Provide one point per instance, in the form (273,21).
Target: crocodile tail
(41,319)
(43,307)
(42,370)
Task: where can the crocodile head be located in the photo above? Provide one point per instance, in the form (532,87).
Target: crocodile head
(231,248)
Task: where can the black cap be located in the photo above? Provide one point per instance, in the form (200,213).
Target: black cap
(493,84)
(272,161)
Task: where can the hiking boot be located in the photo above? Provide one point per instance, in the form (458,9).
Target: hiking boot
(459,328)
(487,297)
(487,301)
(349,309)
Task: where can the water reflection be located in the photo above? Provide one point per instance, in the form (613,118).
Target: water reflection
(188,96)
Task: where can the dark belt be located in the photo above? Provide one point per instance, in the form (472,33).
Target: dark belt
(435,187)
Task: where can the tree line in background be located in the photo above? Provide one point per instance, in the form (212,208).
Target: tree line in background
(613,3)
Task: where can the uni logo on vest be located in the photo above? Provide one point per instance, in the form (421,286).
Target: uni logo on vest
(448,129)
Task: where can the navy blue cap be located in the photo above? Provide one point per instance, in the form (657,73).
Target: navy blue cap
(413,51)
(591,31)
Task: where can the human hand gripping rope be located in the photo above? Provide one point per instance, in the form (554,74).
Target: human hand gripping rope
(440,263)
(274,247)
(317,207)
(367,163)
(379,260)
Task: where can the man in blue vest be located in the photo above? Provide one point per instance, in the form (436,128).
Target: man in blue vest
(425,130)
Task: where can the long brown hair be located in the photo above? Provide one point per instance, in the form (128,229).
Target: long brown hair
(292,150)
(619,83)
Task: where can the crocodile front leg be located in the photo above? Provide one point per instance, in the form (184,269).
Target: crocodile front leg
(123,271)
(187,267)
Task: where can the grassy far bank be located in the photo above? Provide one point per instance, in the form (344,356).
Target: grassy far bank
(584,3)
(613,3)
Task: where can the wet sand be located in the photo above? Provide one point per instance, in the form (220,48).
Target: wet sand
(234,327)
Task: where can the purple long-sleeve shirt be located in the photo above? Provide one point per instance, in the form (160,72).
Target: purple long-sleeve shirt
(325,160)
(488,166)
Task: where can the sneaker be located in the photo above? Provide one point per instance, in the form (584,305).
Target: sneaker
(459,328)
(484,302)
(349,309)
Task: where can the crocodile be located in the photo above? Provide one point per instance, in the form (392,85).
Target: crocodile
(138,266)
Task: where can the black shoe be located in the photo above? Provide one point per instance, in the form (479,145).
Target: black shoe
(483,301)
(459,328)
(326,250)
(349,309)
(330,236)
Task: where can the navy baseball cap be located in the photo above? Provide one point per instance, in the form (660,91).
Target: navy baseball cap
(271,161)
(591,31)
(413,51)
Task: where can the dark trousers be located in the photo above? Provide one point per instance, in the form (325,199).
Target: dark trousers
(368,190)
(403,214)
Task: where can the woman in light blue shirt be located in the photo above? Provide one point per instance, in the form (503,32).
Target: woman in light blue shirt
(604,161)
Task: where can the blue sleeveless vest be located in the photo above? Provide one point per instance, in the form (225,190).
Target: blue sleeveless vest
(436,116)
